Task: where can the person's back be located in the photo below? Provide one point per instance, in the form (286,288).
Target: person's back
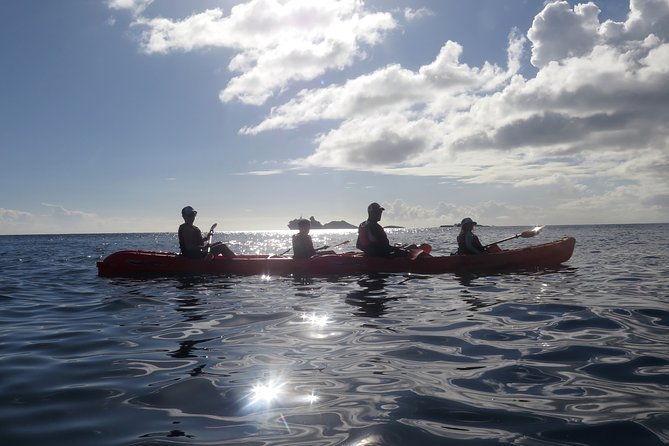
(372,238)
(191,242)
(303,246)
(468,242)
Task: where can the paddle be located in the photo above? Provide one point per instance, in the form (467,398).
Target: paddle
(333,246)
(317,249)
(427,248)
(525,234)
(209,236)
(285,252)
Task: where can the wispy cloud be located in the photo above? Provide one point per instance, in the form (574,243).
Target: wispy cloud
(134,6)
(57,210)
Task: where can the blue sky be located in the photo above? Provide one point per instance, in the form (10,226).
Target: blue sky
(116,114)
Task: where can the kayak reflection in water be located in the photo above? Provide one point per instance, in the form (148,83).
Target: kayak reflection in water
(469,243)
(372,238)
(193,244)
(303,246)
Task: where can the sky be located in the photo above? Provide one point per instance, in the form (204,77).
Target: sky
(115,114)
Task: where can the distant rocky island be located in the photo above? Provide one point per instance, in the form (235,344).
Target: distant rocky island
(315,224)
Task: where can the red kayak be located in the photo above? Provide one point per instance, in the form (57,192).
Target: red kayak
(137,263)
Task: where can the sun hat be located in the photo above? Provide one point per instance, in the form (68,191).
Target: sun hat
(466,221)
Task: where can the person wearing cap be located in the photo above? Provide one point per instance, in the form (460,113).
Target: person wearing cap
(372,238)
(191,241)
(468,242)
(303,246)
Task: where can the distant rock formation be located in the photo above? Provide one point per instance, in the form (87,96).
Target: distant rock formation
(315,224)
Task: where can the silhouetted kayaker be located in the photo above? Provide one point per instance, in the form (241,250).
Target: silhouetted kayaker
(372,239)
(468,242)
(303,246)
(191,242)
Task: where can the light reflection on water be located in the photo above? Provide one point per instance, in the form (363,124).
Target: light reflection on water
(574,355)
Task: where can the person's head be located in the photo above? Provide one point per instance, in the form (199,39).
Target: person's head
(374,211)
(188,213)
(467,224)
(304,225)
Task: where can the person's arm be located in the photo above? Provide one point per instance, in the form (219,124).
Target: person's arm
(309,245)
(198,236)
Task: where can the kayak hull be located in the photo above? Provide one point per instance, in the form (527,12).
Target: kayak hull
(138,263)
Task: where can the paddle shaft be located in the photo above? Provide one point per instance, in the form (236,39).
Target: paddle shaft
(525,234)
(503,240)
(333,246)
(318,249)
(209,237)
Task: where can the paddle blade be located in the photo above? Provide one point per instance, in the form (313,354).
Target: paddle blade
(532,232)
(213,227)
(426,248)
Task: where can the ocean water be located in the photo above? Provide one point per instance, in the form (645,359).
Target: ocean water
(576,355)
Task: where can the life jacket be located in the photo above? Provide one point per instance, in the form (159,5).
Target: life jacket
(462,244)
(303,246)
(363,243)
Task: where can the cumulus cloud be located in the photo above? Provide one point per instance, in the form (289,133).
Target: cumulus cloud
(591,121)
(276,42)
(444,85)
(560,31)
(595,110)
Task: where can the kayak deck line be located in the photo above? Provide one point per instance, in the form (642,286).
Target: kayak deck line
(138,263)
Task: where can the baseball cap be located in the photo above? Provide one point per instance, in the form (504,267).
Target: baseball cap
(374,207)
(188,211)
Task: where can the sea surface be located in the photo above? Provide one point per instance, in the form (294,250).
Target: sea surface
(576,355)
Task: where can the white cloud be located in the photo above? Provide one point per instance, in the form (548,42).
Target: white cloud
(262,173)
(591,123)
(277,42)
(411,14)
(12,216)
(444,85)
(54,216)
(58,211)
(134,6)
(560,31)
(596,110)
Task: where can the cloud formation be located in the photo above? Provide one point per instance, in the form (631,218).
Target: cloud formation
(51,216)
(276,42)
(593,116)
(591,122)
